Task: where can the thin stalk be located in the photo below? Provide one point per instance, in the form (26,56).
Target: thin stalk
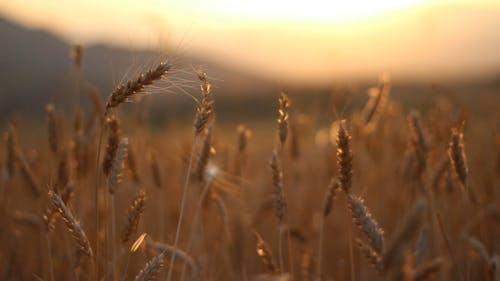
(49,252)
(351,256)
(113,237)
(431,197)
(194,224)
(320,248)
(290,254)
(162,213)
(96,200)
(181,214)
(280,247)
(125,268)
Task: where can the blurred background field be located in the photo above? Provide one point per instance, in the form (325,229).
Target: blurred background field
(436,65)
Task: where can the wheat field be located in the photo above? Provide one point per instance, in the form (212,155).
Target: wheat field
(369,191)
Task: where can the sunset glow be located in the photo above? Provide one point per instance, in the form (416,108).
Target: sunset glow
(315,10)
(326,38)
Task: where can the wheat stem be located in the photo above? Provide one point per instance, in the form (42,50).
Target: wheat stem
(183,205)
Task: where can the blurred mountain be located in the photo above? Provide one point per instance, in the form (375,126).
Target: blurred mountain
(36,68)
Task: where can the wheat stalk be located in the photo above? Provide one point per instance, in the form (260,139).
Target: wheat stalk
(112,146)
(205,153)
(52,128)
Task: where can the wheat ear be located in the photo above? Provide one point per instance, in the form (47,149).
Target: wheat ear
(151,269)
(344,157)
(134,214)
(364,220)
(112,146)
(283,118)
(125,91)
(72,224)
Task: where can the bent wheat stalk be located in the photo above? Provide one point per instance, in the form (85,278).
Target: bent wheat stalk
(204,114)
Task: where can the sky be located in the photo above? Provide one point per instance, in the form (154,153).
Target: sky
(296,41)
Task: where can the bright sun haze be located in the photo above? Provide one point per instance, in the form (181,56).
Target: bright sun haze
(306,41)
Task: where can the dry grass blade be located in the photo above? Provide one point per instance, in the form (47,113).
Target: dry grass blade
(138,242)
